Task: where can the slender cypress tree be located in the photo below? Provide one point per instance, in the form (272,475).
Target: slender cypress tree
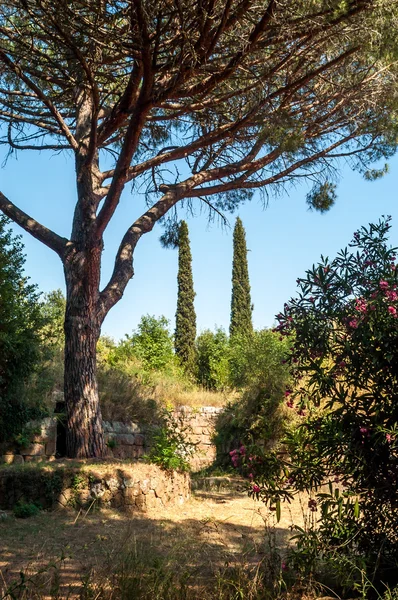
(185,332)
(241,306)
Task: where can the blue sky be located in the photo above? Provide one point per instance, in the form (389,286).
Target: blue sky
(283,241)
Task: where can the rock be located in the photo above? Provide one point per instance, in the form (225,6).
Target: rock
(140,502)
(33,450)
(51,447)
(139,439)
(125,439)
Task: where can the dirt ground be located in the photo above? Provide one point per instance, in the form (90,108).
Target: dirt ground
(213,529)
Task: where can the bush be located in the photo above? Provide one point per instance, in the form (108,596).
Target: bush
(151,344)
(21,321)
(24,510)
(258,365)
(213,359)
(169,446)
(344,361)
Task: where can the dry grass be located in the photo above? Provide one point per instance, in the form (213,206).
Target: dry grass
(215,534)
(132,397)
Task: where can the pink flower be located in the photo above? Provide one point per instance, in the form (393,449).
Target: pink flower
(383,285)
(364,431)
(389,438)
(360,306)
(283,566)
(353,323)
(288,392)
(255,489)
(392,311)
(233,452)
(289,404)
(393,296)
(242,450)
(250,475)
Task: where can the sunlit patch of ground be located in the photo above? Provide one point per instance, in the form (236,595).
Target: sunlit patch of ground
(213,529)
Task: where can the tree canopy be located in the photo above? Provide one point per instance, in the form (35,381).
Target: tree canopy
(246,95)
(192,102)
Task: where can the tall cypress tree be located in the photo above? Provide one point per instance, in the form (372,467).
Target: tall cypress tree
(241,306)
(185,332)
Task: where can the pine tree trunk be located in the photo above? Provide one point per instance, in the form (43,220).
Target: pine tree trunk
(84,437)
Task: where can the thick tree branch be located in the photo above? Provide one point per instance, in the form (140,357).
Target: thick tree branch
(40,232)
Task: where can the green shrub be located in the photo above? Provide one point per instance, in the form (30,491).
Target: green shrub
(21,321)
(24,510)
(151,344)
(344,360)
(169,446)
(258,365)
(213,359)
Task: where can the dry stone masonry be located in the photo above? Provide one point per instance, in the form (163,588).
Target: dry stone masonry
(198,425)
(126,487)
(37,442)
(123,440)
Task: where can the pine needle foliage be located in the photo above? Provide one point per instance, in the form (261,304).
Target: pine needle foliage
(185,332)
(241,306)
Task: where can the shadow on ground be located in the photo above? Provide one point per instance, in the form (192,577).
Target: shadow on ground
(212,531)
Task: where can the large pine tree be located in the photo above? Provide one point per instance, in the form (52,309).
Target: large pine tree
(241,306)
(185,332)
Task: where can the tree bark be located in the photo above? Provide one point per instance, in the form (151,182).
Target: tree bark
(84,437)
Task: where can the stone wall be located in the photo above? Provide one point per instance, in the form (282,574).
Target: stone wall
(198,425)
(133,487)
(37,442)
(123,440)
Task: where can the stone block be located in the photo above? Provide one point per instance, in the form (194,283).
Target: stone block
(138,451)
(151,499)
(129,451)
(125,439)
(140,502)
(43,431)
(139,439)
(12,459)
(33,450)
(131,493)
(112,483)
(51,447)
(145,485)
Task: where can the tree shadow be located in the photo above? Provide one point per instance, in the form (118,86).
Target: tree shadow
(64,550)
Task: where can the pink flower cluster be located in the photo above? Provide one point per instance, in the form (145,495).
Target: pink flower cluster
(360,305)
(236,454)
(392,295)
